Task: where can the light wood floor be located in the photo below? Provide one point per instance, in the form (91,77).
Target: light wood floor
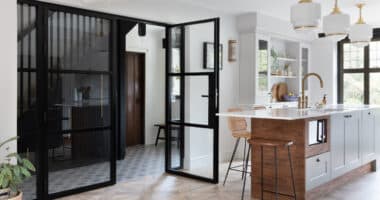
(168,187)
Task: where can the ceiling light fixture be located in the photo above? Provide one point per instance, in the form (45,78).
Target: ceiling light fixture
(360,33)
(305,15)
(336,25)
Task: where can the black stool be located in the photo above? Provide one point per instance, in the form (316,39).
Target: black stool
(275,144)
(163,127)
(160,126)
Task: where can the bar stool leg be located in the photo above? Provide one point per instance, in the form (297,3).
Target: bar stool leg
(276,172)
(245,172)
(232,158)
(292,173)
(245,148)
(158,135)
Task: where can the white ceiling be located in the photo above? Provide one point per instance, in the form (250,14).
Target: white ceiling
(181,10)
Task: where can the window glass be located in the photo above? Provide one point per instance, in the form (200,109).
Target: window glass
(374,54)
(353,88)
(353,57)
(374,93)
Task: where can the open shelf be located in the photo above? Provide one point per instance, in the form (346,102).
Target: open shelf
(278,76)
(286,59)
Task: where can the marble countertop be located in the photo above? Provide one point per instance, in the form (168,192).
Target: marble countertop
(295,113)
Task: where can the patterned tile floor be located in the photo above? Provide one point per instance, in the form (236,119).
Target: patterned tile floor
(140,161)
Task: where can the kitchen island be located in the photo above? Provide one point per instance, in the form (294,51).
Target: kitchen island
(332,146)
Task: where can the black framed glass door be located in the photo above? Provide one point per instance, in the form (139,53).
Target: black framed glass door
(78,88)
(66,120)
(192,83)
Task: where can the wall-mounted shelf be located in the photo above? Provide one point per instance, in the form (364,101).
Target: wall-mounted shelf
(278,76)
(286,59)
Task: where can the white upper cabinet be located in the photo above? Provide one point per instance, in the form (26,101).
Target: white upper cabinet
(270,53)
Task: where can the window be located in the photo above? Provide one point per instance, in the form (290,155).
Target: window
(359,72)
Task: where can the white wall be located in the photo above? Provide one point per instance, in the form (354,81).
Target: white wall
(151,45)
(229,84)
(8,72)
(323,62)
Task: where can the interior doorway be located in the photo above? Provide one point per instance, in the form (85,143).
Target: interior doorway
(135,101)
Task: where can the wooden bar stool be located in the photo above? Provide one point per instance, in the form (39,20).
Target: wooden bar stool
(276,144)
(238,127)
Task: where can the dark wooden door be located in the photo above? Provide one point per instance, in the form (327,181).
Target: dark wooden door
(135,79)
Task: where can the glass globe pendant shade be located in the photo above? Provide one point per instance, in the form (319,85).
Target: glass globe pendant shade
(305,15)
(360,34)
(336,25)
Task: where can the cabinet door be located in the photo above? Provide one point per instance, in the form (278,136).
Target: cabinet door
(352,140)
(317,170)
(367,136)
(338,161)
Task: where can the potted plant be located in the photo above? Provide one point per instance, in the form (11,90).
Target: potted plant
(13,171)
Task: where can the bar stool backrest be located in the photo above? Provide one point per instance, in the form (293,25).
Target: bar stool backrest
(236,124)
(239,124)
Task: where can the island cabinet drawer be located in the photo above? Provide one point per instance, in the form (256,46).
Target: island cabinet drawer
(317,170)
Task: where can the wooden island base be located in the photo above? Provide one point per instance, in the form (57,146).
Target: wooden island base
(296,131)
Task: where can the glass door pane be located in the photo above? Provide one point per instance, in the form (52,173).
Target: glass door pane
(27,115)
(192,100)
(79,101)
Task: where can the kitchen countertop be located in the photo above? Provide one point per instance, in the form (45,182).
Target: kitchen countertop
(295,113)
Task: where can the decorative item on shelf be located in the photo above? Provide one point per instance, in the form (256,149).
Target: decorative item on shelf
(275,62)
(13,171)
(232,50)
(208,55)
(290,97)
(305,15)
(360,33)
(336,25)
(274,92)
(282,90)
(286,69)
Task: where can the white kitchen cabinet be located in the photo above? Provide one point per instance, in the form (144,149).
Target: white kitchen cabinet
(345,142)
(368,136)
(318,170)
(338,162)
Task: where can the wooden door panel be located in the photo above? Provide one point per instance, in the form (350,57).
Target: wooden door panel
(135,98)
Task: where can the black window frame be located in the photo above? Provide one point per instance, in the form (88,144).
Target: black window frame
(366,71)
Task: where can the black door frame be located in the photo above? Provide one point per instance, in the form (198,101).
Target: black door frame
(213,122)
(117,45)
(42,71)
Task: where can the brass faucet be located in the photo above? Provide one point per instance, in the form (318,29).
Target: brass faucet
(303,100)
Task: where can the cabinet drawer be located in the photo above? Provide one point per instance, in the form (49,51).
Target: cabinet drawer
(317,170)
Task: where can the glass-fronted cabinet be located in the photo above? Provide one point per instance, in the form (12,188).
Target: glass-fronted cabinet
(262,71)
(262,68)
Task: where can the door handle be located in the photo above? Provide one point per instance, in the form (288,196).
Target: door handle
(204,96)
(348,116)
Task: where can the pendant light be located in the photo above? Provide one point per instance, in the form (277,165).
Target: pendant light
(360,33)
(336,25)
(305,15)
